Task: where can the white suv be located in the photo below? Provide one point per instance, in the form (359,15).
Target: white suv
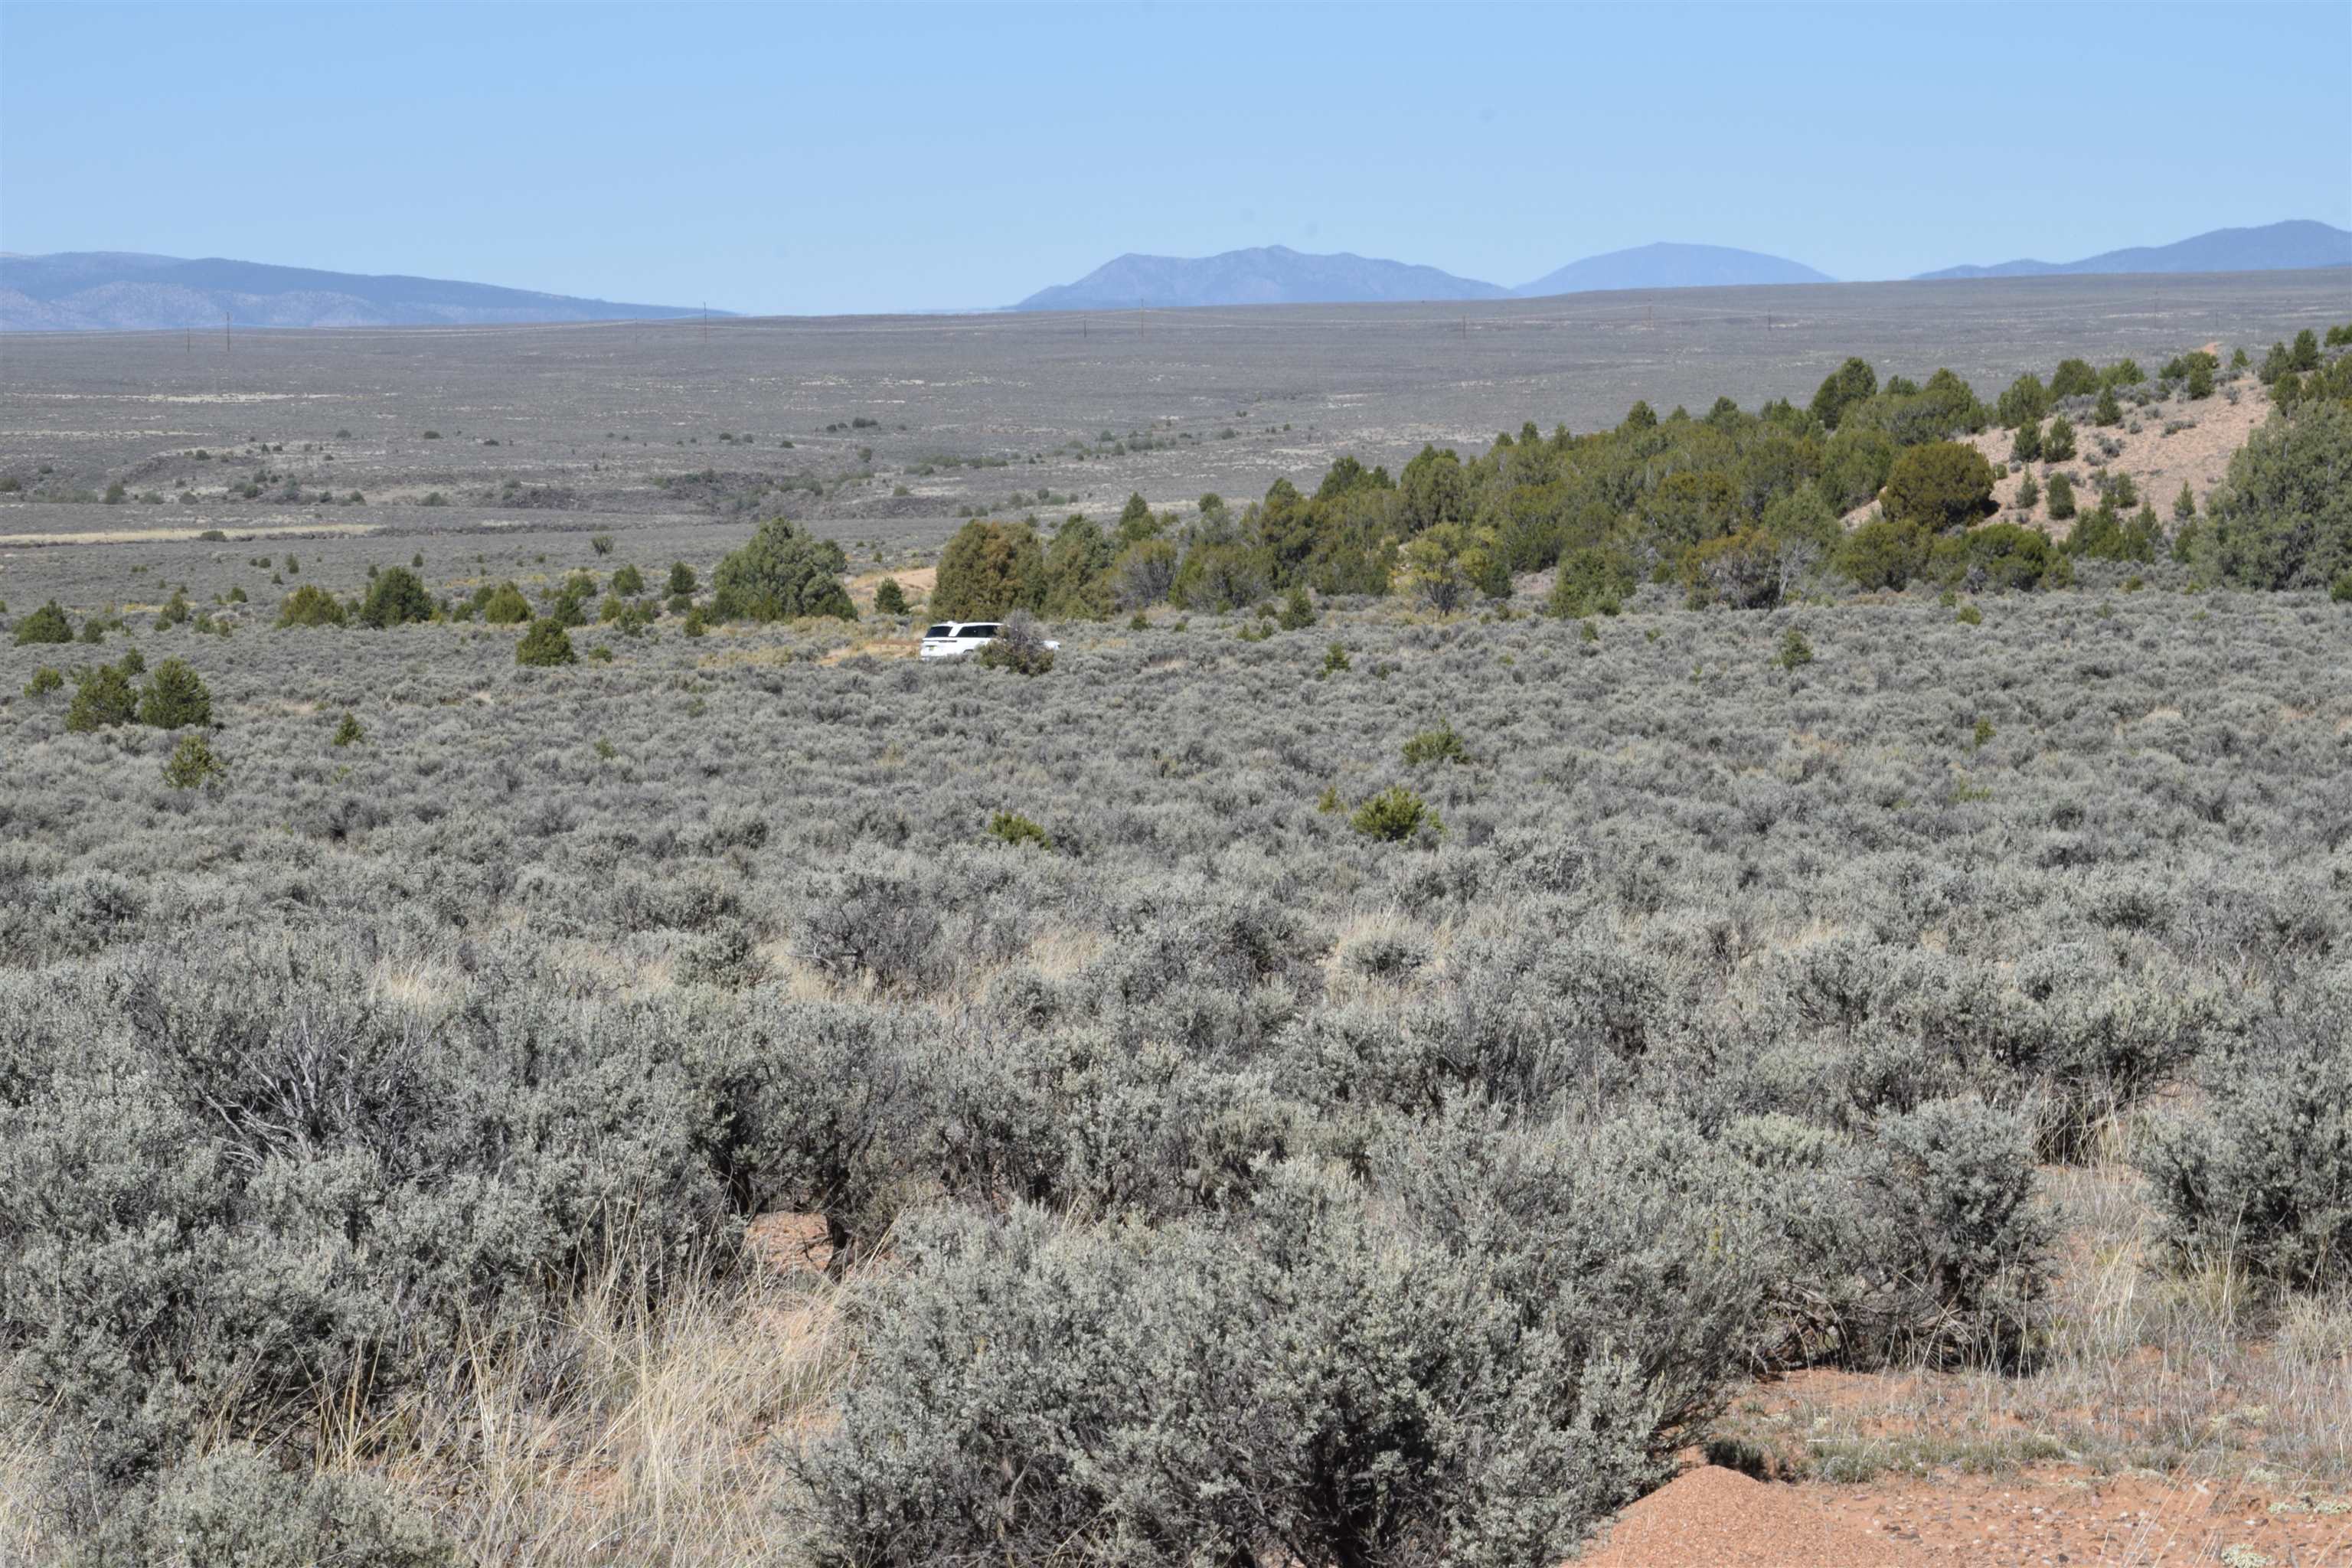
(959,639)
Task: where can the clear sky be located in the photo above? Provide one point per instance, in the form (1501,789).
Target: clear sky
(886,156)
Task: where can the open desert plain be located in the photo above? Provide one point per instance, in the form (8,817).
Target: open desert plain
(1609,935)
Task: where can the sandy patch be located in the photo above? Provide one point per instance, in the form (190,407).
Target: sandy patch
(2159,463)
(2057,1514)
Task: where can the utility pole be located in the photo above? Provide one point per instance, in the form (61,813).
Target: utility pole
(225,347)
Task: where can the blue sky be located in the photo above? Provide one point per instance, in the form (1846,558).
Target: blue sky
(887,156)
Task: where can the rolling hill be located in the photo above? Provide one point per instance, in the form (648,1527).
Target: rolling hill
(107,290)
(2298,242)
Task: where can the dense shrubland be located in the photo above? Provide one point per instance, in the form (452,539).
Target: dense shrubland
(1282,1098)
(1737,508)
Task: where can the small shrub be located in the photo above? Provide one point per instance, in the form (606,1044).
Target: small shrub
(1018,647)
(2058,441)
(546,645)
(1970,616)
(1395,815)
(1015,829)
(2062,497)
(46,624)
(889,599)
(506,606)
(102,700)
(349,732)
(48,679)
(628,582)
(682,579)
(1335,660)
(1438,745)
(602,543)
(781,574)
(1795,651)
(1298,611)
(192,763)
(310,605)
(2262,1181)
(175,697)
(395,598)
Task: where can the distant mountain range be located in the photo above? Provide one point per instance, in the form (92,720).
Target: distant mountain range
(1276,275)
(1265,275)
(114,291)
(2300,242)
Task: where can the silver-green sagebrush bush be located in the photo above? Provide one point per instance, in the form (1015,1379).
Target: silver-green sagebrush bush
(1254,1181)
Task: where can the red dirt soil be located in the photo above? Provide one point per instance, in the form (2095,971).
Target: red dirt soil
(1713,1518)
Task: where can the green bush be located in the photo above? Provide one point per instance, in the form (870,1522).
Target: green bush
(1015,829)
(1883,553)
(46,624)
(349,732)
(2000,556)
(602,543)
(889,599)
(309,606)
(2027,446)
(175,697)
(395,598)
(545,645)
(2058,441)
(1298,611)
(782,573)
(1395,815)
(2062,497)
(1795,652)
(1591,581)
(1848,385)
(682,579)
(1438,745)
(102,700)
(506,606)
(2023,405)
(192,763)
(45,680)
(2074,378)
(988,570)
(2283,519)
(628,582)
(1940,485)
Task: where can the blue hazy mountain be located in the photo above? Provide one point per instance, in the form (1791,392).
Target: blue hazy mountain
(1670,265)
(2299,242)
(113,291)
(1266,275)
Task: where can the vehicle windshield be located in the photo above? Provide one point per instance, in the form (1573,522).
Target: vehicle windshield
(985,629)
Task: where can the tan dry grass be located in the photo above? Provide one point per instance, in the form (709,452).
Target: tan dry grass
(660,1445)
